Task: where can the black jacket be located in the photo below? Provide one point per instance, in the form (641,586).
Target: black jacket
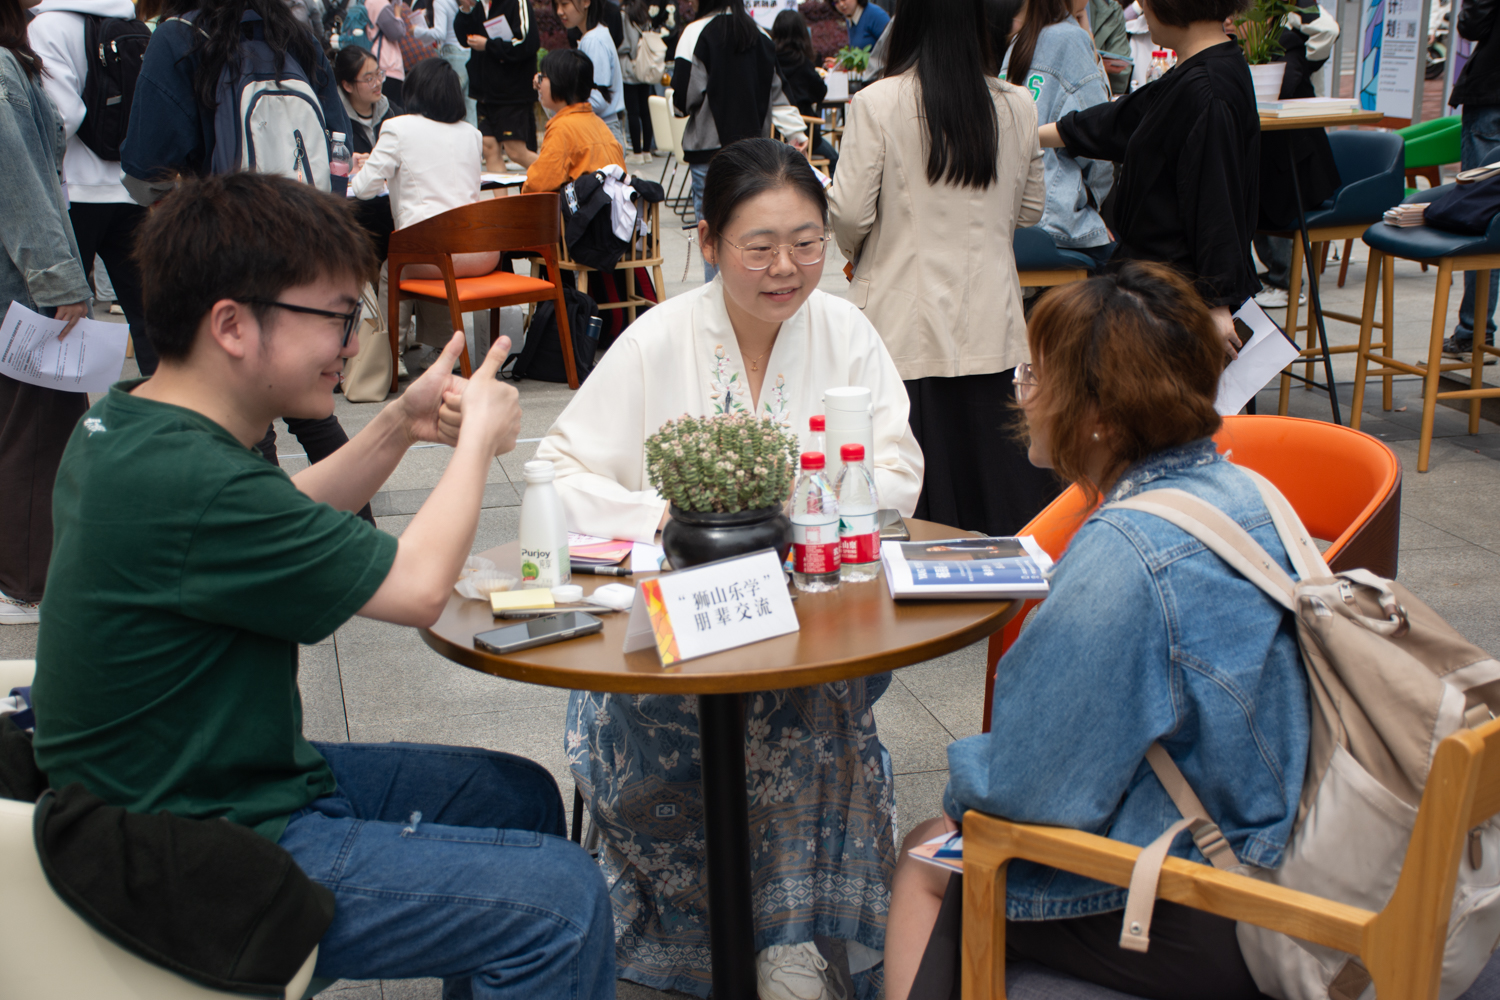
(208,899)
(800,82)
(1479,83)
(587,219)
(502,73)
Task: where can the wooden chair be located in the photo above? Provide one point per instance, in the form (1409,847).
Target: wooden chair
(645,251)
(1041,263)
(668,130)
(527,223)
(1345,485)
(1401,946)
(1451,252)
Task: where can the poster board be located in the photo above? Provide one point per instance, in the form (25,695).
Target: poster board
(1390,56)
(765,11)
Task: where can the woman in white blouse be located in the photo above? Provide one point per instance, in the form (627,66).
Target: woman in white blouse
(759,338)
(430,158)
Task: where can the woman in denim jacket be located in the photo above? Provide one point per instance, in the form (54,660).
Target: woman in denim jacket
(1145,637)
(1053,57)
(40,269)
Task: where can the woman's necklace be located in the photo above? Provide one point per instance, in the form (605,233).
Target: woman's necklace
(755,363)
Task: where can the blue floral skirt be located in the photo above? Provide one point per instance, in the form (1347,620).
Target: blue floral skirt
(822,822)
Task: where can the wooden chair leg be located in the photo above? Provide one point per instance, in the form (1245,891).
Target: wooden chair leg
(129,346)
(630,293)
(1388,313)
(1344,265)
(1481,323)
(494,326)
(456,321)
(982,961)
(1366,323)
(1434,360)
(1294,289)
(393,325)
(1323,257)
(565,334)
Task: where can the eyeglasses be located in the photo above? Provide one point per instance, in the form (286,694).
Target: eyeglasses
(351,319)
(1025,381)
(371,79)
(759,256)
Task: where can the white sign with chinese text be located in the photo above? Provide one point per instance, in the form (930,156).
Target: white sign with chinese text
(765,11)
(711,608)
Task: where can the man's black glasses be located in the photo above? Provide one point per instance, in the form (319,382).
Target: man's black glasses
(351,319)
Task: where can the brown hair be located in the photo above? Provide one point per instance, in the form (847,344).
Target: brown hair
(1138,350)
(1039,14)
(1181,13)
(240,236)
(13,36)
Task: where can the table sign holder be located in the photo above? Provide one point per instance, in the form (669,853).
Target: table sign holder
(711,607)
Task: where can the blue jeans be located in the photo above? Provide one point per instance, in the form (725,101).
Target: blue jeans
(452,862)
(699,173)
(1479,144)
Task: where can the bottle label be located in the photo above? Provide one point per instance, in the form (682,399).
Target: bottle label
(338,168)
(539,568)
(815,548)
(859,538)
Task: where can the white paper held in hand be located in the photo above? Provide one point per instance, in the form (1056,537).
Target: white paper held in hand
(711,608)
(89,359)
(498,29)
(1262,357)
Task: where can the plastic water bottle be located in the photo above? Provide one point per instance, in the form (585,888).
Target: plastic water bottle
(340,161)
(815,528)
(816,428)
(859,527)
(544,530)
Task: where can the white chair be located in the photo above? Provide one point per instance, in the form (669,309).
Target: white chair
(47,950)
(668,130)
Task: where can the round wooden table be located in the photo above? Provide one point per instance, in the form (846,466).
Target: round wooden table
(851,632)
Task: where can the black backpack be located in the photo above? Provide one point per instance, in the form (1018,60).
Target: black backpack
(541,356)
(115,48)
(1467,208)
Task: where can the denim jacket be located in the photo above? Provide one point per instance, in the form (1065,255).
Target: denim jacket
(40,268)
(1065,77)
(1146,636)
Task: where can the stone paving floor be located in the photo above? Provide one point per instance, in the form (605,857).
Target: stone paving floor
(374,682)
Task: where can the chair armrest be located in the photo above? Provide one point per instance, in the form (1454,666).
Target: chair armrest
(990,844)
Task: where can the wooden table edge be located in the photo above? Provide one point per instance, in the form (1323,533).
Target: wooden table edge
(676,681)
(1320,121)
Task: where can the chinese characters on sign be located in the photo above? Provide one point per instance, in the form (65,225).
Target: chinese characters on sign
(1387,57)
(711,608)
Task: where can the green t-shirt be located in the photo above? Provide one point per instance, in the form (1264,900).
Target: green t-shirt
(185,570)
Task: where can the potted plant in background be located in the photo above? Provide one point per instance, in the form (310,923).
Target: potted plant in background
(726,478)
(1259,32)
(854,63)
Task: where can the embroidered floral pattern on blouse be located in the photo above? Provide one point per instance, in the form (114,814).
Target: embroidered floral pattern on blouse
(778,407)
(727,389)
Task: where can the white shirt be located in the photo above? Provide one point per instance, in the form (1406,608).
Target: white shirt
(430,167)
(56,33)
(443,13)
(682,357)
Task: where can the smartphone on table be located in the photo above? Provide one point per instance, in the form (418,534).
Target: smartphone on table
(538,632)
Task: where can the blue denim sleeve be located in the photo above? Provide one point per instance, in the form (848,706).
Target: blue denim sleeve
(1079,697)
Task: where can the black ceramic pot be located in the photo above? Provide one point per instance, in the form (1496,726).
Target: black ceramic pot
(691,538)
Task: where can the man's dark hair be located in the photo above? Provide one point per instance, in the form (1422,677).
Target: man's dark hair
(571,74)
(1181,13)
(240,236)
(433,90)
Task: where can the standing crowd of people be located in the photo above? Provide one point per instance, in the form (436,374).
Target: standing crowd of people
(174,569)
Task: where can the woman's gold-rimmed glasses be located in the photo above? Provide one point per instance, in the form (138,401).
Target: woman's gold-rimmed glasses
(806,251)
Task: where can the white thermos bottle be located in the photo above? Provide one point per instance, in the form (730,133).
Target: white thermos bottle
(849,419)
(544,530)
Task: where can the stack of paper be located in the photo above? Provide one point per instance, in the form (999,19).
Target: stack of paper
(1405,215)
(1306,107)
(591,550)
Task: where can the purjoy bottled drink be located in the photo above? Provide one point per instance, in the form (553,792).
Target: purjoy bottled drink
(815,431)
(859,528)
(544,530)
(340,161)
(815,528)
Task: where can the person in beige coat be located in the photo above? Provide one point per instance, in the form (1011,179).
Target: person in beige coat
(939,165)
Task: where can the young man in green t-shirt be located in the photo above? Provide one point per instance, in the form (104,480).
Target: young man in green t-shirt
(186,570)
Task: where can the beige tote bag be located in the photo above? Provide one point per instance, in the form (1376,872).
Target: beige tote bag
(367,375)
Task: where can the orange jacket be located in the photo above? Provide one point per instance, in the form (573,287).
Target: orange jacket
(576,142)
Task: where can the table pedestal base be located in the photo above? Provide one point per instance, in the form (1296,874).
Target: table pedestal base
(726,822)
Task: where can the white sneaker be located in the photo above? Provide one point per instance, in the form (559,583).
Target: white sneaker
(1276,298)
(794,972)
(14,612)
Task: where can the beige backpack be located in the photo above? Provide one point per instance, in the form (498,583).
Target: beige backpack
(367,375)
(1388,680)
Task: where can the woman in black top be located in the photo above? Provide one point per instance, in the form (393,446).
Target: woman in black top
(800,81)
(1189,144)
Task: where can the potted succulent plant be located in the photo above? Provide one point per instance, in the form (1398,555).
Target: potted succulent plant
(726,478)
(1259,32)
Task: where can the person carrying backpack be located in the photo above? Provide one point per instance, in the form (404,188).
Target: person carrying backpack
(191,106)
(92,50)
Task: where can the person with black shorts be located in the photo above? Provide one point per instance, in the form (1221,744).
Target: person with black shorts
(500,75)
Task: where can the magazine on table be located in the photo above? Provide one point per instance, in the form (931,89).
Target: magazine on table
(946,850)
(967,568)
